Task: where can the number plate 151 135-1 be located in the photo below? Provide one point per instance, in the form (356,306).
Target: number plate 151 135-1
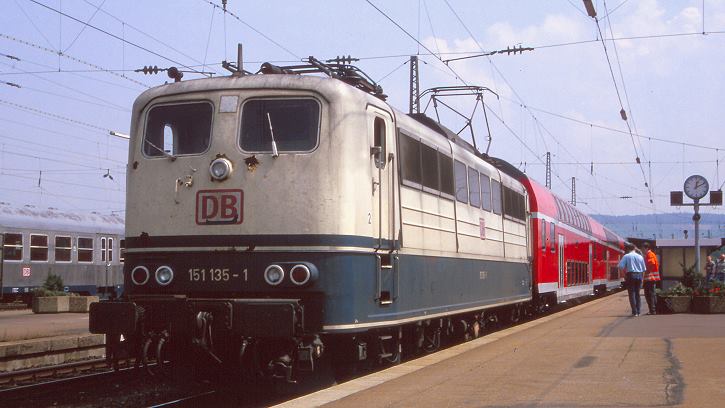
(215,275)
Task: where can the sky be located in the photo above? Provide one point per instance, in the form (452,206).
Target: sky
(67,80)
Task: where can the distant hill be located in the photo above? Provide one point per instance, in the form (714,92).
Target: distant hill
(667,226)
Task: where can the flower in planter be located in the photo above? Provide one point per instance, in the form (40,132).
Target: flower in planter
(714,289)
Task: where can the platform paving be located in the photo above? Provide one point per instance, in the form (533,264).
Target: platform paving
(592,355)
(24,324)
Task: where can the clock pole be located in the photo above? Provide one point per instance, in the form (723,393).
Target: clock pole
(696,219)
(696,187)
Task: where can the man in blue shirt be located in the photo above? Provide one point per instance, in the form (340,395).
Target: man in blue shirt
(633,265)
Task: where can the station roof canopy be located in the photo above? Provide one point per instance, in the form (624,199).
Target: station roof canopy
(690,243)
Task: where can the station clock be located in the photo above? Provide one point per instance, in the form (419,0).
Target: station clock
(696,187)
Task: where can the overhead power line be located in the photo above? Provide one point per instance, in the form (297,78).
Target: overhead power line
(236,17)
(112,35)
(583,122)
(78,60)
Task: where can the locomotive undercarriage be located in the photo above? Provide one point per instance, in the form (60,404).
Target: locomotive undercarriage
(253,339)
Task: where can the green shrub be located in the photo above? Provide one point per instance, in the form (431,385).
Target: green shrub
(53,282)
(677,290)
(53,286)
(691,278)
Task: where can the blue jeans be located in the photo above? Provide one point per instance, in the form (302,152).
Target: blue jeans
(634,285)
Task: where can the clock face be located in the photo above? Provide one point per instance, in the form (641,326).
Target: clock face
(696,187)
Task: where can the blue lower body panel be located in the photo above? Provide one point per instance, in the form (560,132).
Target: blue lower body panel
(351,293)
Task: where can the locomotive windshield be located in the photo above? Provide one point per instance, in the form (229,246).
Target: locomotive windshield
(292,123)
(178,129)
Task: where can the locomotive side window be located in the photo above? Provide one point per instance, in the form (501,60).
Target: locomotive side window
(13,247)
(514,205)
(445,164)
(85,249)
(461,181)
(379,142)
(178,129)
(429,161)
(293,124)
(496,196)
(485,192)
(410,159)
(63,249)
(543,235)
(38,247)
(474,190)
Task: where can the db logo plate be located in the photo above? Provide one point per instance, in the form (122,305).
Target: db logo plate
(218,207)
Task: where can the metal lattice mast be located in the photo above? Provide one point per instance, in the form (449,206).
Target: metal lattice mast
(548,170)
(414,94)
(573,191)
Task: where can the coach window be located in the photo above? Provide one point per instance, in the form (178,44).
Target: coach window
(178,129)
(485,192)
(293,124)
(63,248)
(474,189)
(12,247)
(459,170)
(410,159)
(552,235)
(85,249)
(38,247)
(445,166)
(496,196)
(103,249)
(429,162)
(110,250)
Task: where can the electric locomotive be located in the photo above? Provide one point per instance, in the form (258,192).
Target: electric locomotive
(277,218)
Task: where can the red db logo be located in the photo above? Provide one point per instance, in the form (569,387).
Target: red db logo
(215,207)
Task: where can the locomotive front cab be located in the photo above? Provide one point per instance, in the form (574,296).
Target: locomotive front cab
(239,193)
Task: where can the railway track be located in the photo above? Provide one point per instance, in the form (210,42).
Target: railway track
(93,383)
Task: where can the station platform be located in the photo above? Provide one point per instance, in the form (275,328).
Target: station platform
(592,355)
(29,340)
(24,324)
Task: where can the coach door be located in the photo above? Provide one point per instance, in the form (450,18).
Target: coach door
(590,269)
(382,218)
(2,261)
(562,264)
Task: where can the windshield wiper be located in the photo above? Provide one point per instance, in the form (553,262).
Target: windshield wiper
(163,152)
(275,153)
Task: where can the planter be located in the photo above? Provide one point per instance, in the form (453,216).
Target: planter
(708,304)
(673,304)
(80,304)
(50,304)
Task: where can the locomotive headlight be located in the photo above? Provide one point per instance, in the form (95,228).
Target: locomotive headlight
(273,275)
(300,274)
(140,275)
(220,169)
(164,275)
